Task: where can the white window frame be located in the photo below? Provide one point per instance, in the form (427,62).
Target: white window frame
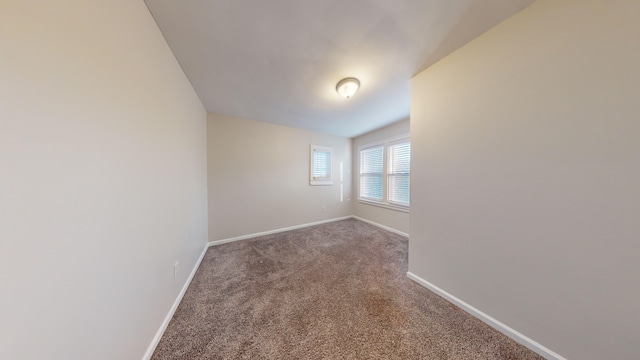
(385,203)
(313,179)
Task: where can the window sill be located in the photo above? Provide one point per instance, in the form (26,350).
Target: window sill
(320,182)
(403,209)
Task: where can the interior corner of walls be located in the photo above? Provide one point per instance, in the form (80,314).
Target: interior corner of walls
(395,231)
(255,161)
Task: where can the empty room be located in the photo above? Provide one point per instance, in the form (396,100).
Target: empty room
(411,179)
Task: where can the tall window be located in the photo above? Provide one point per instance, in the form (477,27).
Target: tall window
(371,164)
(385,173)
(399,173)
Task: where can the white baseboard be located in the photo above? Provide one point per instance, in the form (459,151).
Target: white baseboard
(382,226)
(243,237)
(513,334)
(174,307)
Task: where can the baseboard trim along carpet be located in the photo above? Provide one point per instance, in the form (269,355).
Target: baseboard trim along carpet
(382,226)
(269,232)
(513,334)
(174,307)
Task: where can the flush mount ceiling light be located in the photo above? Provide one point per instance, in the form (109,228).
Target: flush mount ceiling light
(347,87)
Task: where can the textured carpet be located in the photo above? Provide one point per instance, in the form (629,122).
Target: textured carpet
(332,291)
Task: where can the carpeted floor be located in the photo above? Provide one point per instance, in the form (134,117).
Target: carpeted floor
(332,291)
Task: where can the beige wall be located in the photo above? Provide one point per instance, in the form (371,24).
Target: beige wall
(102,179)
(259,178)
(526,197)
(394,219)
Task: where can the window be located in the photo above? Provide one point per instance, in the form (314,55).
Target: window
(320,165)
(399,173)
(385,173)
(371,173)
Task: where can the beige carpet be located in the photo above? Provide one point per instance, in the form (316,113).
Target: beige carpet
(332,291)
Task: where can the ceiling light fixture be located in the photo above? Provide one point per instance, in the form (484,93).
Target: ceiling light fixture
(347,87)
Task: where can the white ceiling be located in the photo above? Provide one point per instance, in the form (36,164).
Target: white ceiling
(278,61)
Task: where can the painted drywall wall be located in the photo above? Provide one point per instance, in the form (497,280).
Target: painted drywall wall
(526,184)
(259,177)
(102,179)
(394,219)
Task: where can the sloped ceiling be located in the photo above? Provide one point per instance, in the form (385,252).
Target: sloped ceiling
(278,61)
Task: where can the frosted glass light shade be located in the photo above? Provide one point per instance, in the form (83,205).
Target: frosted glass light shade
(347,87)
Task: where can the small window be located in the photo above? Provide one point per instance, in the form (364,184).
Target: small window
(320,165)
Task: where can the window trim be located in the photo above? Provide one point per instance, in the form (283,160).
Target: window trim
(384,203)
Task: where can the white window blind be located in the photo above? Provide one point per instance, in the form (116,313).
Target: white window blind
(399,173)
(371,167)
(320,165)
